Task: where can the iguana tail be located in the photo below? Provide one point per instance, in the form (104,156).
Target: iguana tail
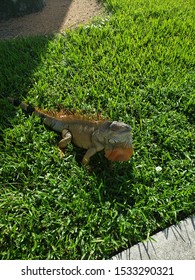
(50,121)
(26,107)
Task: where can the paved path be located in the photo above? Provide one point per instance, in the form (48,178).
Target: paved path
(173,243)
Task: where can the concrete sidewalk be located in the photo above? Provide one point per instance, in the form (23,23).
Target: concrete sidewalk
(173,243)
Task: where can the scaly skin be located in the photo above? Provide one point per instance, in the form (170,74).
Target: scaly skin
(111,136)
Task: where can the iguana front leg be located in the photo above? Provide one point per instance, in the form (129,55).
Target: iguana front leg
(66,139)
(96,147)
(90,152)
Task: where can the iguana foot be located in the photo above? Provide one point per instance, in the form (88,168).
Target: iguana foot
(61,153)
(85,161)
(90,152)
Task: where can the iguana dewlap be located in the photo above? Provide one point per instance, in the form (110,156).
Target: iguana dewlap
(111,136)
(119,154)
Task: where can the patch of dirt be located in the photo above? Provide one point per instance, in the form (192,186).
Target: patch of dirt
(56,16)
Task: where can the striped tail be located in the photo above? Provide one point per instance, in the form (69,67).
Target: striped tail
(52,122)
(27,108)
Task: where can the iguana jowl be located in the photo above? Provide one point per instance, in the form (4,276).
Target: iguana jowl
(111,136)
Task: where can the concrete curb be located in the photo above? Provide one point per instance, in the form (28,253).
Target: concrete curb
(176,242)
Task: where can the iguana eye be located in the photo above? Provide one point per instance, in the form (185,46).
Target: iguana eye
(120,126)
(114,126)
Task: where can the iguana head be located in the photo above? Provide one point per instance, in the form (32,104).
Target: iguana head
(119,132)
(116,133)
(118,141)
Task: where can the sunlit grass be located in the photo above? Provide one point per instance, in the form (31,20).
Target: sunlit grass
(135,65)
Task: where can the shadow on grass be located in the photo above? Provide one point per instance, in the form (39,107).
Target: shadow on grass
(114,180)
(20,57)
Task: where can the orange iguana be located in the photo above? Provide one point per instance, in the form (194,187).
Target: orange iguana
(111,136)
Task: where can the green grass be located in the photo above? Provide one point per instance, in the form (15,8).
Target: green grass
(137,65)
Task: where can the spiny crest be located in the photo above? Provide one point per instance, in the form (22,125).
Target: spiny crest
(67,115)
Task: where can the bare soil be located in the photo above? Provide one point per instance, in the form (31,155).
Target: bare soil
(57,16)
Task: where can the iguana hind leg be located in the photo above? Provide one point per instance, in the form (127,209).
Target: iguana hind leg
(66,139)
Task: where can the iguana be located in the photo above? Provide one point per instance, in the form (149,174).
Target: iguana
(111,136)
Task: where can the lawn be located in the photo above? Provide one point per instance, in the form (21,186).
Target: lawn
(136,64)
